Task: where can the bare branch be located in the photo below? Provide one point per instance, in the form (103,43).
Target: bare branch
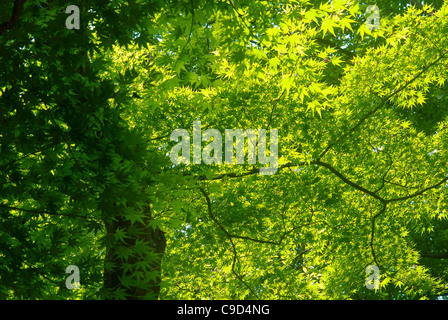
(419,192)
(348,181)
(372,235)
(229,236)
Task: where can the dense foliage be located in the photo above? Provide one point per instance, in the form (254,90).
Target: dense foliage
(86,178)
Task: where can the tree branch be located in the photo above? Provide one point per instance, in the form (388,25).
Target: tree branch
(347,181)
(248,173)
(419,192)
(189,36)
(382,103)
(229,236)
(33,153)
(372,234)
(72,215)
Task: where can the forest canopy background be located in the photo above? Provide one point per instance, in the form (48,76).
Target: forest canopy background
(86,179)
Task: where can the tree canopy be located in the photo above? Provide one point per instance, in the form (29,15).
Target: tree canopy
(87,179)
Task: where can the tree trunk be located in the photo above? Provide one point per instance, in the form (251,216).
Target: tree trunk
(137,232)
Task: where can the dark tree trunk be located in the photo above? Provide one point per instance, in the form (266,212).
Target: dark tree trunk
(157,243)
